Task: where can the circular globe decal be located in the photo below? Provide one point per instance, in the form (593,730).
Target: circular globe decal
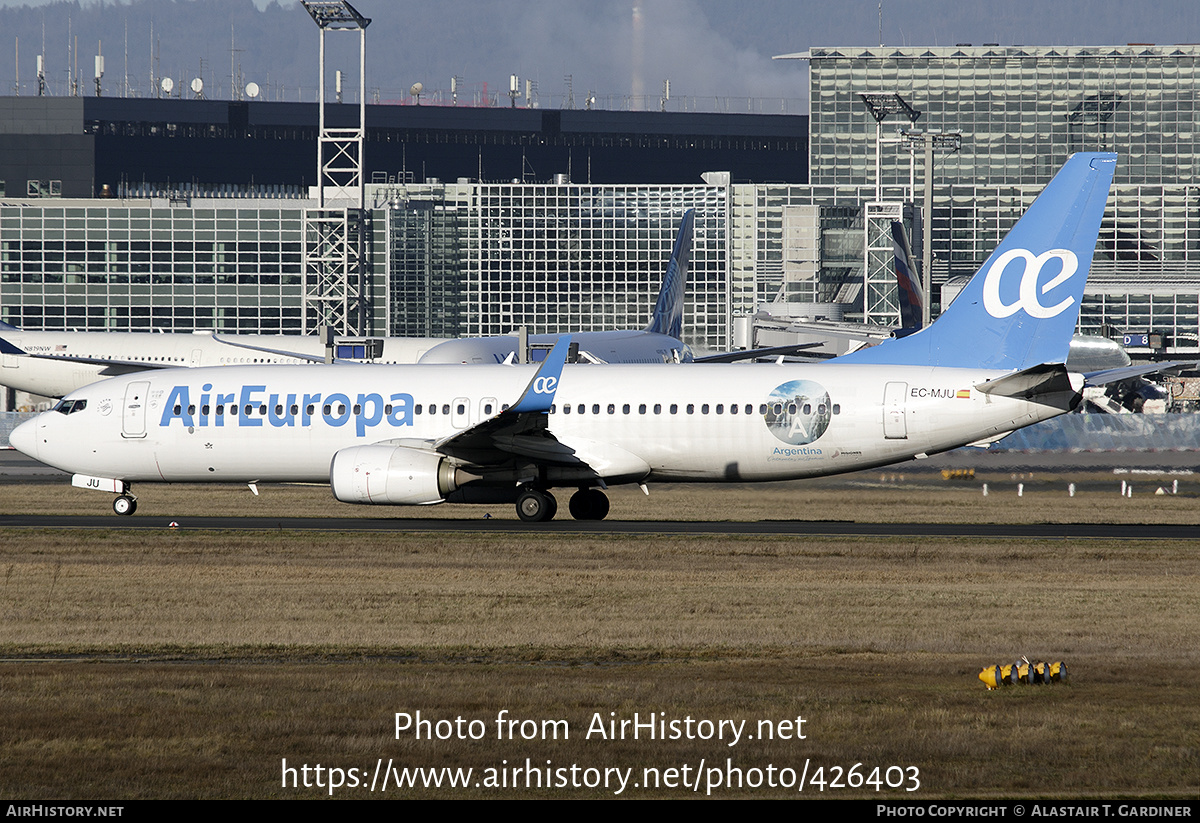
(798,412)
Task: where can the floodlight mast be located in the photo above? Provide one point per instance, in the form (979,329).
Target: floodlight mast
(929,142)
(881,105)
(345,145)
(335,250)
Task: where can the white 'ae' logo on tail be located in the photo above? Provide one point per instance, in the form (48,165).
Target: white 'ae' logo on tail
(1027,296)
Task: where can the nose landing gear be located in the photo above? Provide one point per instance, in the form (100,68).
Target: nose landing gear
(125,504)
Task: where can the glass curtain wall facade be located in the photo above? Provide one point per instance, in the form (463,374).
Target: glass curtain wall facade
(93,266)
(1021,112)
(556,258)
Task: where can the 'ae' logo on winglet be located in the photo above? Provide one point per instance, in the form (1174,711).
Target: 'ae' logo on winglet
(1028,291)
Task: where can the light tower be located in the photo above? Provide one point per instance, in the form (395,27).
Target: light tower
(880,303)
(335,233)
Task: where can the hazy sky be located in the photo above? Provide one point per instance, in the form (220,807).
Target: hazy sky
(708,49)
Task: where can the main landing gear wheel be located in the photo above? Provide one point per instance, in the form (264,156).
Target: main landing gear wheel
(589,504)
(125,505)
(536,506)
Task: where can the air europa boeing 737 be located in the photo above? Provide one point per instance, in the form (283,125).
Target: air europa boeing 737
(993,362)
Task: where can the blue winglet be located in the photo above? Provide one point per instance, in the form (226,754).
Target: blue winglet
(668,310)
(1020,308)
(539,394)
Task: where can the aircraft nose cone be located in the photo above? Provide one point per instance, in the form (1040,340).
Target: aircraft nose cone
(24,438)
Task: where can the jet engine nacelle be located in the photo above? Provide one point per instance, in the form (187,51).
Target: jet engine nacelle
(395,475)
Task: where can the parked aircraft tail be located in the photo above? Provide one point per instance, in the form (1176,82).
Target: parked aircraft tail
(668,310)
(1021,308)
(911,316)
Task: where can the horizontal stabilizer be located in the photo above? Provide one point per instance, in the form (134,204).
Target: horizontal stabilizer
(1036,381)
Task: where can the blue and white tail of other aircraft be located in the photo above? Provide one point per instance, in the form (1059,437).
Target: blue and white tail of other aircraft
(411,435)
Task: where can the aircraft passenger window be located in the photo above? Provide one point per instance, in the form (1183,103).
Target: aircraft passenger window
(821,408)
(221,411)
(504,407)
(204,410)
(461,409)
(386,409)
(674,408)
(582,408)
(691,407)
(641,408)
(658,408)
(178,408)
(553,408)
(326,410)
(279,411)
(417,409)
(596,408)
(192,408)
(433,408)
(249,409)
(791,408)
(837,408)
(720,408)
(341,409)
(357,408)
(808,408)
(263,409)
(309,409)
(704,409)
(566,408)
(777,408)
(733,408)
(625,409)
(487,409)
(445,408)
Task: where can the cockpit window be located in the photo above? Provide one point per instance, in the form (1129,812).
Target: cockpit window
(70,406)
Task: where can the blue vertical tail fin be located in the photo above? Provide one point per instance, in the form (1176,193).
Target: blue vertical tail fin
(1020,308)
(668,310)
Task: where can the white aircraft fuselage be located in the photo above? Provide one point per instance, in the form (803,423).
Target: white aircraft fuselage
(627,424)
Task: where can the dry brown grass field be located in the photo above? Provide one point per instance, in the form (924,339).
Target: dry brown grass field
(190,664)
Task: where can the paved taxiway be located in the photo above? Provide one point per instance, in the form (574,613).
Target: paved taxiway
(769,528)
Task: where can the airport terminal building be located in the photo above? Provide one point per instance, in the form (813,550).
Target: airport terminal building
(564,220)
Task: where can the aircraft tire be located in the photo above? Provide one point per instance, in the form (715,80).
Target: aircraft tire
(599,504)
(589,504)
(536,506)
(124,505)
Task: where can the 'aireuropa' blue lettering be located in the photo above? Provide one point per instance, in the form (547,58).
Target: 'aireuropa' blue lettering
(369,410)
